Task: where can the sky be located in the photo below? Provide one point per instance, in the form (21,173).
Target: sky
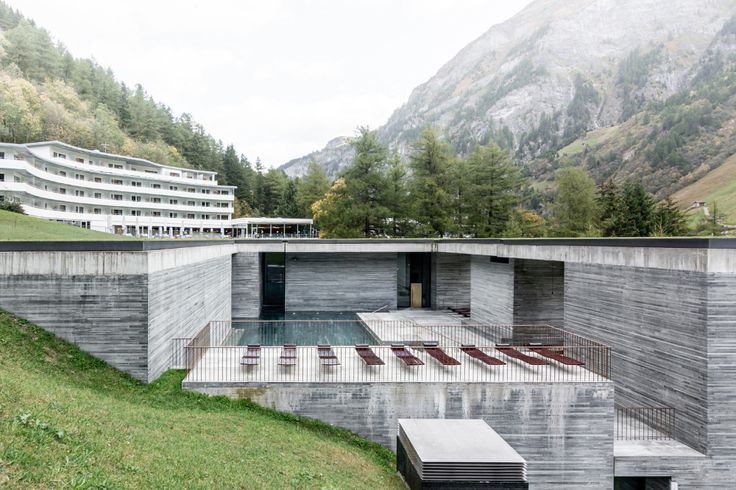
(276,78)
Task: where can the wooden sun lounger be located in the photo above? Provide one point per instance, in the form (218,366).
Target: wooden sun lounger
(327,356)
(406,357)
(435,351)
(511,352)
(369,357)
(555,356)
(288,355)
(476,353)
(252,355)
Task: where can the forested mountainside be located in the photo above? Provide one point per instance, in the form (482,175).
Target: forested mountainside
(651,79)
(48,94)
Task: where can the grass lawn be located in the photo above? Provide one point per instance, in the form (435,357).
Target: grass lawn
(14,226)
(68,420)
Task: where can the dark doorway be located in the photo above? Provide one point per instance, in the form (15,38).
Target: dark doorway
(413,279)
(641,483)
(273,281)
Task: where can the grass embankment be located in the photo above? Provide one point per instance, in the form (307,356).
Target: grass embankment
(68,420)
(14,226)
(717,187)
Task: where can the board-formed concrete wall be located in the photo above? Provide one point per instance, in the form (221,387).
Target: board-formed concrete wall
(564,431)
(181,301)
(105,316)
(340,281)
(539,292)
(450,281)
(246,285)
(655,322)
(491,291)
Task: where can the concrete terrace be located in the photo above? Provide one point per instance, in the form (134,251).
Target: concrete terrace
(221,365)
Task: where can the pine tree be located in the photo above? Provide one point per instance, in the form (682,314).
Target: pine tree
(428,194)
(610,206)
(574,210)
(669,219)
(312,187)
(492,184)
(637,219)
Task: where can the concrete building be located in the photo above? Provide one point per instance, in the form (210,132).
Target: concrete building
(665,307)
(114,193)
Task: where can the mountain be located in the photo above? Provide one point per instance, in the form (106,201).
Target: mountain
(557,70)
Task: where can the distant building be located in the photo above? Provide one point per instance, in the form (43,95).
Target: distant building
(126,195)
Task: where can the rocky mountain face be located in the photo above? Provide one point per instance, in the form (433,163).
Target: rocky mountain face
(556,70)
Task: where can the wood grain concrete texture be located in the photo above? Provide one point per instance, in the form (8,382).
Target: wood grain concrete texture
(450,282)
(563,430)
(491,291)
(721,384)
(539,292)
(340,281)
(105,316)
(181,301)
(655,322)
(246,285)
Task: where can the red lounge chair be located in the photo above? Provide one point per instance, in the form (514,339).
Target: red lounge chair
(368,356)
(435,351)
(406,357)
(476,353)
(511,352)
(288,355)
(252,355)
(555,356)
(327,356)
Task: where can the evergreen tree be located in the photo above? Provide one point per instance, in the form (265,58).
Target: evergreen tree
(574,210)
(397,197)
(274,185)
(669,220)
(356,205)
(428,195)
(610,205)
(637,219)
(312,187)
(288,206)
(492,182)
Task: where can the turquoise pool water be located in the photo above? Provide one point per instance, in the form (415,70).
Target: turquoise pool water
(301,328)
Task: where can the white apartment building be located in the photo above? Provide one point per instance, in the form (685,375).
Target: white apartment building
(113,193)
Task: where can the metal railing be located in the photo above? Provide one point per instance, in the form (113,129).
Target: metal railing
(223,364)
(645,423)
(213,333)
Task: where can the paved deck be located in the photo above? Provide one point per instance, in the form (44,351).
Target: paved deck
(417,326)
(222,365)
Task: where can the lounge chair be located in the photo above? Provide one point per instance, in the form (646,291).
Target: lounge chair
(406,357)
(369,357)
(511,352)
(252,355)
(545,351)
(288,355)
(327,356)
(476,353)
(435,351)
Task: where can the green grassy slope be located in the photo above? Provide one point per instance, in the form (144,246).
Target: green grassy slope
(718,186)
(14,226)
(68,420)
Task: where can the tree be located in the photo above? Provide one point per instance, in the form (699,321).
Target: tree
(610,205)
(288,206)
(669,220)
(637,218)
(574,208)
(312,187)
(332,213)
(274,184)
(397,198)
(491,183)
(525,224)
(430,200)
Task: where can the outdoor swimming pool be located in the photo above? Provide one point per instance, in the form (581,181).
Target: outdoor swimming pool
(301,328)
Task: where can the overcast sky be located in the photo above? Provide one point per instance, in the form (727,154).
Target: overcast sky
(277,78)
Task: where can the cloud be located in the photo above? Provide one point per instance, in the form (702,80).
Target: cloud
(277,78)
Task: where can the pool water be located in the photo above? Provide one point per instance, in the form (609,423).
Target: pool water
(301,328)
